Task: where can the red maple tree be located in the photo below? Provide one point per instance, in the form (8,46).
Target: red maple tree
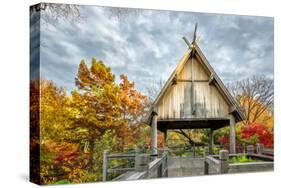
(264,135)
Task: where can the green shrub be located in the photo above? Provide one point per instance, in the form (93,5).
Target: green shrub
(241,159)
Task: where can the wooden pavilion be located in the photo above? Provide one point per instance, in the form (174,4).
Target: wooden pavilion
(194,97)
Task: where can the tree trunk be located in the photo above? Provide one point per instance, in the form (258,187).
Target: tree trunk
(91,155)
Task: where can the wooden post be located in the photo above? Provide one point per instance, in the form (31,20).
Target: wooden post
(154,131)
(250,149)
(193,150)
(160,171)
(260,148)
(165,154)
(141,162)
(206,151)
(137,151)
(211,142)
(223,156)
(104,165)
(232,141)
(165,137)
(206,167)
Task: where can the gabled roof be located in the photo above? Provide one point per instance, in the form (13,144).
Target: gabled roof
(195,50)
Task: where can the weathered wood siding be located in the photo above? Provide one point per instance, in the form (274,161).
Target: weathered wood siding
(208,102)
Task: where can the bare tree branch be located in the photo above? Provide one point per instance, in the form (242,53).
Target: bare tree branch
(153,89)
(122,13)
(255,94)
(56,12)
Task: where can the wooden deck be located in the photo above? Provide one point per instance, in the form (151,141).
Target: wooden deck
(186,166)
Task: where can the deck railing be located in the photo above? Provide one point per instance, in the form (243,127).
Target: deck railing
(142,165)
(197,150)
(220,163)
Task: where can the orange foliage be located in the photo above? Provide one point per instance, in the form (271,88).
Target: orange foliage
(160,141)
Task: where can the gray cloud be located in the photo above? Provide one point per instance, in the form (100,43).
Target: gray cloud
(147,45)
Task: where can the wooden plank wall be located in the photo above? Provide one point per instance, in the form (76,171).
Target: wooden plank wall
(208,102)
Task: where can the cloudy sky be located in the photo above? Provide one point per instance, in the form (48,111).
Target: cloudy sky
(146,45)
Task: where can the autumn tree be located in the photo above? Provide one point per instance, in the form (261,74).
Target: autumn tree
(191,136)
(54,137)
(252,134)
(256,96)
(96,105)
(133,105)
(75,129)
(34,143)
(132,101)
(64,153)
(52,110)
(256,133)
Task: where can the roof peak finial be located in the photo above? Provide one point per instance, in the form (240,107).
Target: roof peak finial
(195,39)
(195,33)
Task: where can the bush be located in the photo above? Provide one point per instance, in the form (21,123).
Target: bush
(241,159)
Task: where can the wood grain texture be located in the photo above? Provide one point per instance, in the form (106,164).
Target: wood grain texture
(177,100)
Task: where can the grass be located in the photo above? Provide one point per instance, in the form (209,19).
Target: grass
(242,159)
(64,181)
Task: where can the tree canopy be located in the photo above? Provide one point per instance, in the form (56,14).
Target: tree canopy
(75,129)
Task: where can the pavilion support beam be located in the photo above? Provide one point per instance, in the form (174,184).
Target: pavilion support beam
(165,137)
(211,142)
(232,141)
(154,133)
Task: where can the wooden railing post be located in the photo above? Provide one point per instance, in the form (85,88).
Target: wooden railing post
(141,162)
(104,165)
(260,148)
(160,170)
(223,157)
(206,151)
(137,151)
(250,149)
(193,150)
(206,167)
(165,155)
